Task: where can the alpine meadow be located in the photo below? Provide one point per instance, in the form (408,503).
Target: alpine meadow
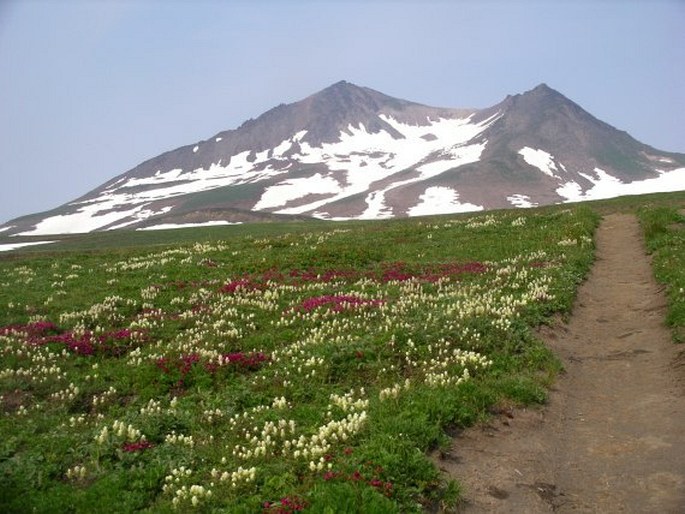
(281,367)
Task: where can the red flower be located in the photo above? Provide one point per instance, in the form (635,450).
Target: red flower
(286,505)
(376,482)
(137,446)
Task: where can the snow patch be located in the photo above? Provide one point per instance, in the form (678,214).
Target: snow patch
(521,201)
(441,200)
(540,160)
(86,219)
(299,135)
(167,226)
(218,139)
(292,189)
(282,148)
(141,215)
(570,191)
(608,186)
(14,246)
(196,149)
(376,208)
(456,156)
(156,179)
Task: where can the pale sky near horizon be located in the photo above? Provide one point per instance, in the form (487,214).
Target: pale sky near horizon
(91,88)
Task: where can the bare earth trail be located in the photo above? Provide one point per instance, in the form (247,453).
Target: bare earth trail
(612,436)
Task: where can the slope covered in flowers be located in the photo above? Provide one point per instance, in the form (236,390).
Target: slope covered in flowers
(274,374)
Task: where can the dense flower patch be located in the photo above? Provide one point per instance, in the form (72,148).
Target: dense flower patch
(250,361)
(387,272)
(34,332)
(337,303)
(181,366)
(114,342)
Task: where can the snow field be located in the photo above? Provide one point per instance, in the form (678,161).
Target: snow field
(166,226)
(370,157)
(607,186)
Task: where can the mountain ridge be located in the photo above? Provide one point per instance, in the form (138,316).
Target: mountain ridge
(351,152)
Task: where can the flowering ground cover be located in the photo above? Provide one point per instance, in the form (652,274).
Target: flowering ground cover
(664,229)
(303,371)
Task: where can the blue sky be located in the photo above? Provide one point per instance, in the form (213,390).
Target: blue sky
(91,88)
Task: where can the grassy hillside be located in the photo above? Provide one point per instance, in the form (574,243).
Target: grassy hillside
(272,368)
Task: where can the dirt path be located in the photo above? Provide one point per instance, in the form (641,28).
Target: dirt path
(612,436)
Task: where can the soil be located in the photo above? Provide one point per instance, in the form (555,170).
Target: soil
(611,437)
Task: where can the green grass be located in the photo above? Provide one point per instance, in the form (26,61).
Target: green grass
(664,230)
(238,352)
(221,196)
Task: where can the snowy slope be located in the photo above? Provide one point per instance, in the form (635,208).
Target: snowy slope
(354,163)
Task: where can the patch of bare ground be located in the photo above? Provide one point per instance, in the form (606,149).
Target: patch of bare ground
(611,437)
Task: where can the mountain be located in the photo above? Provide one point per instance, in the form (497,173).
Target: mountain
(349,152)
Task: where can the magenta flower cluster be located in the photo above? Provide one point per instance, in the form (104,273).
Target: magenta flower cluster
(250,361)
(367,473)
(137,446)
(114,343)
(181,366)
(393,271)
(287,505)
(337,303)
(35,332)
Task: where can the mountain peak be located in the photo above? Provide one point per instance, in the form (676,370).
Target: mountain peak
(542,87)
(531,100)
(352,152)
(330,111)
(347,93)
(541,90)
(541,97)
(342,84)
